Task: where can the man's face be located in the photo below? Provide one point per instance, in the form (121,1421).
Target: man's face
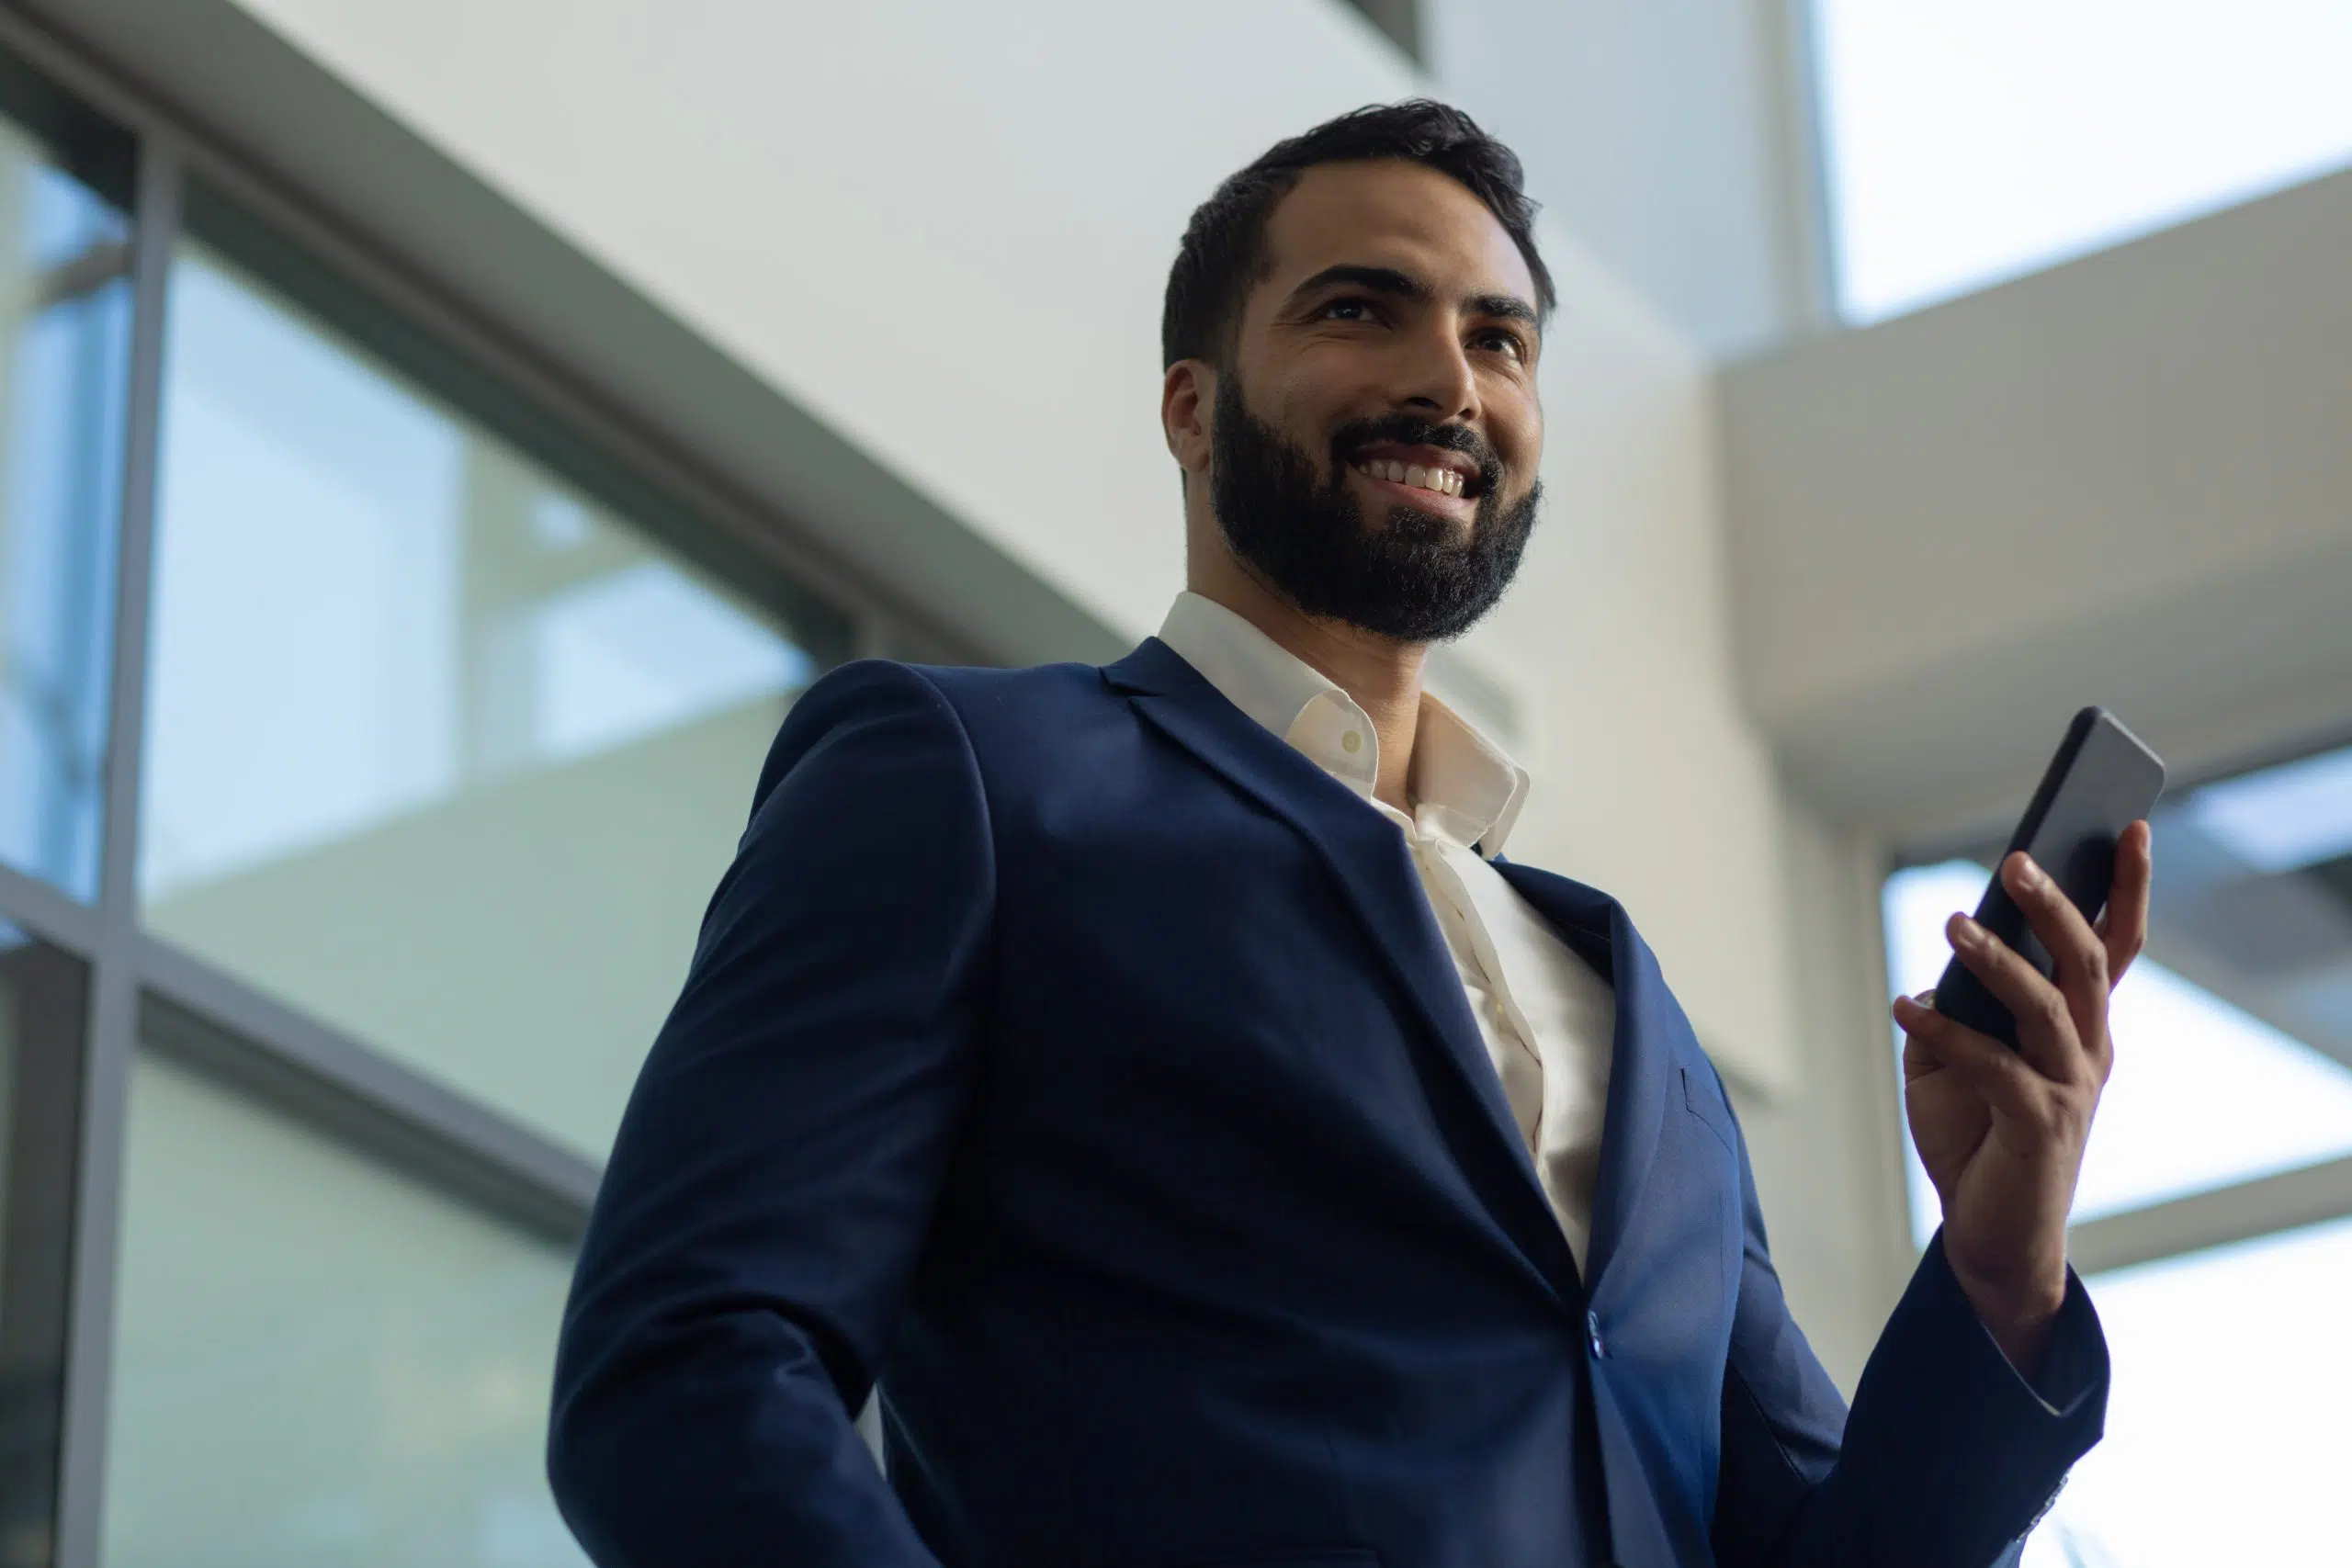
(1377,431)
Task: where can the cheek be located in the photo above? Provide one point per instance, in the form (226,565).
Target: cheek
(1517,435)
(1304,402)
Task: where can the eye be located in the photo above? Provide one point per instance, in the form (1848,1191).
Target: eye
(1504,340)
(1346,307)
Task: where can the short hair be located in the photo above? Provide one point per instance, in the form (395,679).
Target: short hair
(1224,250)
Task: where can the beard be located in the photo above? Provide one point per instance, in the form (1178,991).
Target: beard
(1407,578)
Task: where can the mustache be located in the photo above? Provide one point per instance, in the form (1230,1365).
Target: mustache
(1403,430)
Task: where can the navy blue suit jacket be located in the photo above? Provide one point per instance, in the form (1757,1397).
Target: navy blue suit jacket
(1070,1055)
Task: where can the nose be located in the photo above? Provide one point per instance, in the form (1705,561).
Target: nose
(1435,378)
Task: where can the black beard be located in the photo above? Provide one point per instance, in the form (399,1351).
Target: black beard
(1306,538)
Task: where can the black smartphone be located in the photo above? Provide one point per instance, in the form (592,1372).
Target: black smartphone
(2102,780)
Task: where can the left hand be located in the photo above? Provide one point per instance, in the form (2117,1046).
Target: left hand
(2002,1131)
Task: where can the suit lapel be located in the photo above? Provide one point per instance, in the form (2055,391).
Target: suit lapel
(1640,1060)
(1374,869)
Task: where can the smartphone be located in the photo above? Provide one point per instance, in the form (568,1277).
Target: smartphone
(2102,780)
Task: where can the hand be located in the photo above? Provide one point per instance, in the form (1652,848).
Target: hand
(2002,1131)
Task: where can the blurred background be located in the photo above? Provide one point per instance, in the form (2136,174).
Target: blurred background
(438,440)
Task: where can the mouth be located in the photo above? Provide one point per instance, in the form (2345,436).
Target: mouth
(1424,471)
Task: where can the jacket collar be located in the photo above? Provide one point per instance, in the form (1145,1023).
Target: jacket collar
(1369,860)
(1458,771)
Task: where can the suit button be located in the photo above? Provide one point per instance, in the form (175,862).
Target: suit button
(1593,1331)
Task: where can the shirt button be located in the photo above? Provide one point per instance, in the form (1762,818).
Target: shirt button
(1592,1329)
(1352,742)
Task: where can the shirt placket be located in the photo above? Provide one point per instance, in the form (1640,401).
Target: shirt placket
(1435,852)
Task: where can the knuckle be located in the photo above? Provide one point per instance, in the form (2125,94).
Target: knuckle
(2050,1009)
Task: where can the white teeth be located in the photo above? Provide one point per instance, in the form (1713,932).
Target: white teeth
(1444,481)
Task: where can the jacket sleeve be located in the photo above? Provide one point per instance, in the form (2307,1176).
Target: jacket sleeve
(777,1167)
(1948,1456)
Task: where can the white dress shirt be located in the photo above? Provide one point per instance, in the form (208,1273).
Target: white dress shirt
(1547,1018)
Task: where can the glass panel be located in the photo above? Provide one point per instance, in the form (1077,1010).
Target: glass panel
(43,994)
(2224,1428)
(318,1362)
(64,361)
(1970,142)
(440,747)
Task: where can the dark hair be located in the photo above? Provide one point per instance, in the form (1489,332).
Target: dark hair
(1223,251)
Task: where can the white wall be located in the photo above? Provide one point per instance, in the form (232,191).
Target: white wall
(2126,480)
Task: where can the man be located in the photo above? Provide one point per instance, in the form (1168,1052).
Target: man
(1158,1078)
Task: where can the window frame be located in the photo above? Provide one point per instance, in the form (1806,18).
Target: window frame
(140,993)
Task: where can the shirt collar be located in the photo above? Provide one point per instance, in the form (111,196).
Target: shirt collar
(1459,774)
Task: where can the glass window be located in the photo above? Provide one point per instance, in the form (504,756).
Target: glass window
(441,747)
(2224,1429)
(43,994)
(319,1363)
(1965,143)
(64,361)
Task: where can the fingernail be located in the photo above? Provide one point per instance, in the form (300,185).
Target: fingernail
(1969,933)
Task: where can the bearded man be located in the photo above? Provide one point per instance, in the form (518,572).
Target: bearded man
(1157,1080)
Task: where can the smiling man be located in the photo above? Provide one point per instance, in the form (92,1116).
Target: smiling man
(1157,1081)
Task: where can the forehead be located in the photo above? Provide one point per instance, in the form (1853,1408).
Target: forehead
(1398,214)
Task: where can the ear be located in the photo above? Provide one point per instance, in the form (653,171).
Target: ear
(1187,397)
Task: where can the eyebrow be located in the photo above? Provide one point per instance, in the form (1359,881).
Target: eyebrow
(1398,285)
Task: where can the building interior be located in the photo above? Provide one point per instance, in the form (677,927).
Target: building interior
(438,440)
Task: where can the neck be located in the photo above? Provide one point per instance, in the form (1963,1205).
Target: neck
(1381,675)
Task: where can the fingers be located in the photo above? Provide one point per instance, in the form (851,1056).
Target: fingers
(2080,955)
(2124,928)
(2045,1019)
(2010,1087)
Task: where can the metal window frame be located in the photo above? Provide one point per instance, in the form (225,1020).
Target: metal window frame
(145,994)
(114,975)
